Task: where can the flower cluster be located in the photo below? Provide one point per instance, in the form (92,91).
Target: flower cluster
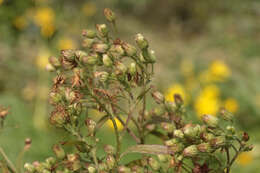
(113,77)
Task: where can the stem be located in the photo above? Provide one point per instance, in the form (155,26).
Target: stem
(10,164)
(228,160)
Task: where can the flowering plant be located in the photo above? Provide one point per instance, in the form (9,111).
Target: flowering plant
(114,77)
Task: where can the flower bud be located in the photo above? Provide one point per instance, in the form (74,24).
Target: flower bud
(88,42)
(218,141)
(171,142)
(158,97)
(110,15)
(154,164)
(204,147)
(152,57)
(74,162)
(245,137)
(55,97)
(110,160)
(100,47)
(158,111)
(129,49)
(210,120)
(58,151)
(49,68)
(68,54)
(29,167)
(109,149)
(137,169)
(191,131)
(58,118)
(231,129)
(102,166)
(206,136)
(121,68)
(103,76)
(178,134)
(89,33)
(163,157)
(190,151)
(102,29)
(91,59)
(178,99)
(123,169)
(168,127)
(132,68)
(54,61)
(91,169)
(91,125)
(80,54)
(106,60)
(226,115)
(141,41)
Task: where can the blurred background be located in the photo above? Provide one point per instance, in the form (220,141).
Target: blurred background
(207,51)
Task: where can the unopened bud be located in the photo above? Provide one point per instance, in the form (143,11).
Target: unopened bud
(141,41)
(152,57)
(231,129)
(49,68)
(154,164)
(100,47)
(109,149)
(210,120)
(129,49)
(110,160)
(91,125)
(103,76)
(168,127)
(132,68)
(158,97)
(68,54)
(54,61)
(191,131)
(55,97)
(74,162)
(178,134)
(29,167)
(110,15)
(106,60)
(204,147)
(88,42)
(27,143)
(178,99)
(57,118)
(226,115)
(124,169)
(121,68)
(58,151)
(102,29)
(190,151)
(91,169)
(245,137)
(91,59)
(163,157)
(89,33)
(218,141)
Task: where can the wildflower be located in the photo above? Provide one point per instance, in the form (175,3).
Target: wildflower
(219,71)
(207,101)
(175,89)
(118,123)
(1,1)
(20,22)
(66,43)
(89,9)
(231,105)
(43,59)
(47,30)
(245,158)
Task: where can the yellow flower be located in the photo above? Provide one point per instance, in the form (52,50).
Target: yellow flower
(208,101)
(66,43)
(219,71)
(42,59)
(47,30)
(118,123)
(20,22)
(176,89)
(44,16)
(89,9)
(245,158)
(231,105)
(1,1)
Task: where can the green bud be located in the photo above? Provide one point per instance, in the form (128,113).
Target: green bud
(109,149)
(141,58)
(51,161)
(206,136)
(58,118)
(103,76)
(158,111)
(58,151)
(29,167)
(80,54)
(163,157)
(74,162)
(218,141)
(129,49)
(110,15)
(191,131)
(55,97)
(168,127)
(137,169)
(88,42)
(171,142)
(107,61)
(102,29)
(110,160)
(170,106)
(54,61)
(176,148)
(190,151)
(178,134)
(124,169)
(210,120)
(49,68)
(158,97)
(231,129)
(91,169)
(226,115)
(68,54)
(100,47)
(132,68)
(152,57)
(121,68)
(91,59)
(141,41)
(204,147)
(154,164)
(89,33)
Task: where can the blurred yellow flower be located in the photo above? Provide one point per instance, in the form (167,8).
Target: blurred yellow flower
(66,43)
(20,22)
(118,123)
(219,71)
(231,105)
(1,1)
(42,60)
(176,89)
(28,92)
(47,30)
(207,101)
(245,158)
(89,9)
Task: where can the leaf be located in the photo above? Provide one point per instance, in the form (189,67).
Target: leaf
(147,149)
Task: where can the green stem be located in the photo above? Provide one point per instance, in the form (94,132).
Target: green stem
(10,164)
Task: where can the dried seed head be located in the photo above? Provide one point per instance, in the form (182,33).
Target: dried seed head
(210,120)
(245,137)
(110,15)
(68,54)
